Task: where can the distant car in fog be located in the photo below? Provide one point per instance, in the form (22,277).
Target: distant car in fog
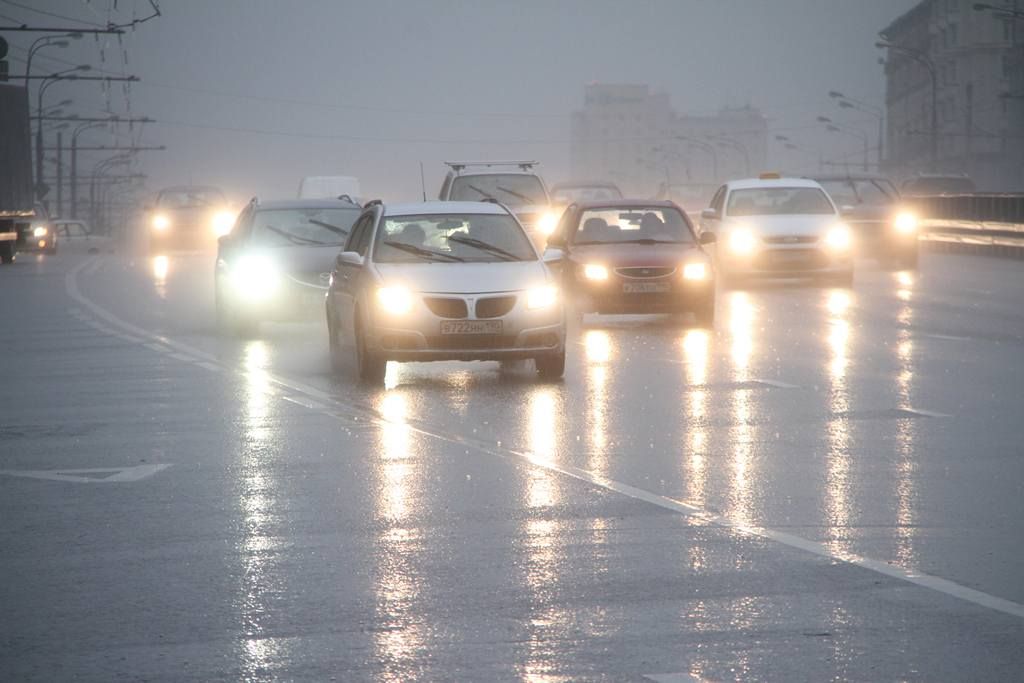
(75,232)
(884,227)
(329,187)
(778,227)
(938,183)
(188,216)
(276,261)
(513,183)
(632,256)
(568,192)
(39,232)
(442,281)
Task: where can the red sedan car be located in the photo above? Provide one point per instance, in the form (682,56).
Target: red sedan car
(633,256)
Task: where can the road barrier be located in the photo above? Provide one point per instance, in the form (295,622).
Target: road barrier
(991,224)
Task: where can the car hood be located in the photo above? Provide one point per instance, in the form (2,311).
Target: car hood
(462,278)
(786,224)
(628,255)
(873,212)
(306,265)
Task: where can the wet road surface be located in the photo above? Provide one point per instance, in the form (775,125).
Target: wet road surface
(827,485)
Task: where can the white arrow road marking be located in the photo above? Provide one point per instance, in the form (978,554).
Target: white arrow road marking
(115,474)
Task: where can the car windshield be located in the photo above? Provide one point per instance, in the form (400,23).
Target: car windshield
(190,198)
(514,189)
(639,225)
(478,238)
(585,193)
(855,192)
(779,201)
(302,227)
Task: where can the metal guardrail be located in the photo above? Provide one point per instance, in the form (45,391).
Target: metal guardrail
(981,223)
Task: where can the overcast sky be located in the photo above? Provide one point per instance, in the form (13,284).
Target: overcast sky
(254,94)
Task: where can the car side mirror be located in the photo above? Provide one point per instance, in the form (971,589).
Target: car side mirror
(553,255)
(709,214)
(349,258)
(707,238)
(224,241)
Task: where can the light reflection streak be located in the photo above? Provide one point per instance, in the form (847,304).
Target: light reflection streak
(837,429)
(160,267)
(742,433)
(257,503)
(599,350)
(400,636)
(695,356)
(906,467)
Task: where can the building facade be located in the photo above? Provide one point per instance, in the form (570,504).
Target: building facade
(632,136)
(961,66)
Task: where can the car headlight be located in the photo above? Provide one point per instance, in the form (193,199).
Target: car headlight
(594,271)
(541,297)
(742,241)
(394,300)
(695,271)
(255,276)
(547,223)
(223,221)
(161,222)
(39,231)
(905,223)
(839,237)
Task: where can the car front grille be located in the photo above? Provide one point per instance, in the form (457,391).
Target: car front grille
(471,342)
(645,272)
(446,307)
(792,260)
(791,239)
(495,306)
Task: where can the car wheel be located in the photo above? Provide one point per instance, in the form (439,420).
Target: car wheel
(336,349)
(705,313)
(7,252)
(371,366)
(551,365)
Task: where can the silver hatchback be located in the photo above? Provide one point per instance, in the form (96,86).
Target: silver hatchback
(442,281)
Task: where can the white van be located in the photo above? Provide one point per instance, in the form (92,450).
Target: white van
(329,187)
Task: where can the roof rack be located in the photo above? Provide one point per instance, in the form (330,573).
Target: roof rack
(347,198)
(373,202)
(458,166)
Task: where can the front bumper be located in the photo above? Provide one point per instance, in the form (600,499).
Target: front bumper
(881,239)
(292,301)
(669,293)
(786,261)
(423,335)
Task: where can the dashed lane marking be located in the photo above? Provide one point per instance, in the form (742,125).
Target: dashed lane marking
(82,476)
(330,406)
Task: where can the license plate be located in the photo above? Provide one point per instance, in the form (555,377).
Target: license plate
(789,257)
(644,287)
(470,327)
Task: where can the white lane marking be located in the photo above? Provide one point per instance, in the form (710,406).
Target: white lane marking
(181,357)
(947,337)
(208,366)
(93,267)
(116,474)
(911,576)
(923,413)
(680,677)
(775,383)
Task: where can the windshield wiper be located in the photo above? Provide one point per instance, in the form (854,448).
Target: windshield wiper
(484,246)
(477,189)
(647,240)
(332,228)
(294,239)
(528,200)
(421,252)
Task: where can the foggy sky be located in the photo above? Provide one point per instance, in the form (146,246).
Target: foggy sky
(373,88)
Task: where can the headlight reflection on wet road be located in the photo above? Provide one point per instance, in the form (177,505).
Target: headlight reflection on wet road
(906,429)
(695,357)
(837,429)
(742,434)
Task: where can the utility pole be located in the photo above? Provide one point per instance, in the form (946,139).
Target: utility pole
(60,174)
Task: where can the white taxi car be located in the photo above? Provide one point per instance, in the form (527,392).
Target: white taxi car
(778,227)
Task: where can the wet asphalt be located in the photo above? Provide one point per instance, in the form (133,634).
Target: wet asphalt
(828,485)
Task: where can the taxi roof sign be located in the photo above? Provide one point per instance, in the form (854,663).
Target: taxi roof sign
(770,175)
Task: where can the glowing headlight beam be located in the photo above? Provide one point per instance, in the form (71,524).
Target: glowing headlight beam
(39,231)
(161,222)
(905,222)
(394,300)
(547,223)
(254,276)
(839,237)
(223,221)
(742,241)
(541,297)
(594,271)
(695,271)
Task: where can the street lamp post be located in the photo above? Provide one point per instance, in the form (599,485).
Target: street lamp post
(74,163)
(832,127)
(922,58)
(710,149)
(852,103)
(44,84)
(47,41)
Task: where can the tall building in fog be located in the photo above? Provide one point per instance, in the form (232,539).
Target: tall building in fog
(632,136)
(975,57)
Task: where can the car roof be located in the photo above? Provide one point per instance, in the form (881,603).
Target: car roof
(433,208)
(850,176)
(324,203)
(491,171)
(627,204)
(753,183)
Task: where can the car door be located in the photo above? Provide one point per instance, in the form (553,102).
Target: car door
(347,278)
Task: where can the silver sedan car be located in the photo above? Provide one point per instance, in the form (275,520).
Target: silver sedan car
(442,281)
